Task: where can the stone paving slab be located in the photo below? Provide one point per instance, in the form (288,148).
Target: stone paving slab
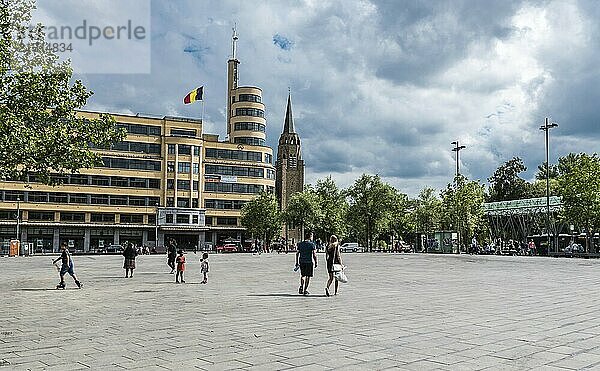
(400,312)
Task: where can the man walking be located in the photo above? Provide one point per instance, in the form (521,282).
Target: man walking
(304,258)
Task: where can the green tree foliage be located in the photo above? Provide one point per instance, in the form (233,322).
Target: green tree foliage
(506,184)
(579,187)
(427,211)
(462,205)
(333,205)
(371,203)
(303,210)
(399,218)
(39,131)
(261,216)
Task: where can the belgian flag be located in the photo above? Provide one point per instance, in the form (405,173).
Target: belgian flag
(194,95)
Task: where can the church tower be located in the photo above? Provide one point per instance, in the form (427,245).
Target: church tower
(289,166)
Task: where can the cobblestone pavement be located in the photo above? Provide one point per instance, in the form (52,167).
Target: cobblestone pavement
(411,312)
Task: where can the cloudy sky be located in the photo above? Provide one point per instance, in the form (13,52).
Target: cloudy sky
(379,86)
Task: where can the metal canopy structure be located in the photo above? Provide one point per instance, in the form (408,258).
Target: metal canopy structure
(518,219)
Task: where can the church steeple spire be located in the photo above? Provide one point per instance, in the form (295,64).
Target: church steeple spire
(288,126)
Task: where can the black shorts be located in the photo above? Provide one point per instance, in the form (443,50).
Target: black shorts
(306,269)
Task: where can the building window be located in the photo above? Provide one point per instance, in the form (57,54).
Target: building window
(72,217)
(233,188)
(183,185)
(183,219)
(194,219)
(196,168)
(227,154)
(125,163)
(99,200)
(208,220)
(183,202)
(102,218)
(252,172)
(152,219)
(195,203)
(251,126)
(249,98)
(170,166)
(58,198)
(171,149)
(140,129)
(184,149)
(224,204)
(270,174)
(249,112)
(154,183)
(250,141)
(170,202)
(169,218)
(116,181)
(132,218)
(226,221)
(78,198)
(195,184)
(46,216)
(183,132)
(170,183)
(79,179)
(38,197)
(137,182)
(196,151)
(183,167)
(100,180)
(268,158)
(118,200)
(137,201)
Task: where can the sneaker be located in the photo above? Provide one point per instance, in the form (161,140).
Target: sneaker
(79,284)
(326,291)
(300,290)
(182,281)
(306,293)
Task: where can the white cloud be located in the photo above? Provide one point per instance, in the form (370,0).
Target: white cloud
(380,87)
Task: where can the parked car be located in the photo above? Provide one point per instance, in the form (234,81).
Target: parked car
(574,249)
(114,249)
(351,247)
(228,247)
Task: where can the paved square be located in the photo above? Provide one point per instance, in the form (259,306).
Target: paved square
(409,312)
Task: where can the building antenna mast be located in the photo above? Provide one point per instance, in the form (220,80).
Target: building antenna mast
(234,41)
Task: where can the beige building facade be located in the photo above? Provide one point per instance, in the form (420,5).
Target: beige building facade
(166,179)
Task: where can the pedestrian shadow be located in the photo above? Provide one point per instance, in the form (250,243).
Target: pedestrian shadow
(287,295)
(44,289)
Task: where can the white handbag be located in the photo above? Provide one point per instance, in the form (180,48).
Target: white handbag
(340,276)
(337,268)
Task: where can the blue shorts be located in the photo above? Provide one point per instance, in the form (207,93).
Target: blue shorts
(67,269)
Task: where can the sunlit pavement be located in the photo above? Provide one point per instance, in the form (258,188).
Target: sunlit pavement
(398,311)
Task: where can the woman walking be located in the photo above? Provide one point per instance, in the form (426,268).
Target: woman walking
(332,256)
(129,265)
(171,254)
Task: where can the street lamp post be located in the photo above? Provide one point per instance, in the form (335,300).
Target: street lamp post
(546,128)
(18,218)
(457,149)
(156,229)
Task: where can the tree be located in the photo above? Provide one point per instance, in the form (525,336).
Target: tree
(462,207)
(399,221)
(427,211)
(303,210)
(506,184)
(39,129)
(261,216)
(579,187)
(333,206)
(370,205)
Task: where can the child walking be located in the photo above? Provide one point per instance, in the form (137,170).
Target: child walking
(204,267)
(180,267)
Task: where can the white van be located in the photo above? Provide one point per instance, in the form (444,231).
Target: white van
(351,247)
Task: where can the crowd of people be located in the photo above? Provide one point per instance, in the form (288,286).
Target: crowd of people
(306,262)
